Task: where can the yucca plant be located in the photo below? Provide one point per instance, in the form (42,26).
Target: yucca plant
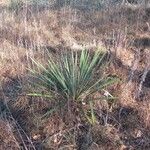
(74,76)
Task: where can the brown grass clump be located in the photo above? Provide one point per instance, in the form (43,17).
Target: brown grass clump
(35,32)
(7,139)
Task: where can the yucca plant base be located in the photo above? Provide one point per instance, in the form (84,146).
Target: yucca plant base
(74,79)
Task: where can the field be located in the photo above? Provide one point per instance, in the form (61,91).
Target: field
(74,75)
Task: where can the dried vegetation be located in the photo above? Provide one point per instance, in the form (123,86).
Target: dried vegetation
(36,30)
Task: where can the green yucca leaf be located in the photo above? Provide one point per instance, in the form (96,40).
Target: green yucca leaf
(49,112)
(107,82)
(93,118)
(39,95)
(90,115)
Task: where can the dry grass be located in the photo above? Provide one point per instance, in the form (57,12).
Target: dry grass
(124,32)
(7,138)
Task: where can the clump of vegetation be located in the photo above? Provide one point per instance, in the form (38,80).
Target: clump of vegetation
(15,5)
(69,105)
(74,79)
(40,3)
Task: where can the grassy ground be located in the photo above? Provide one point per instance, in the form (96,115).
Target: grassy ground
(38,30)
